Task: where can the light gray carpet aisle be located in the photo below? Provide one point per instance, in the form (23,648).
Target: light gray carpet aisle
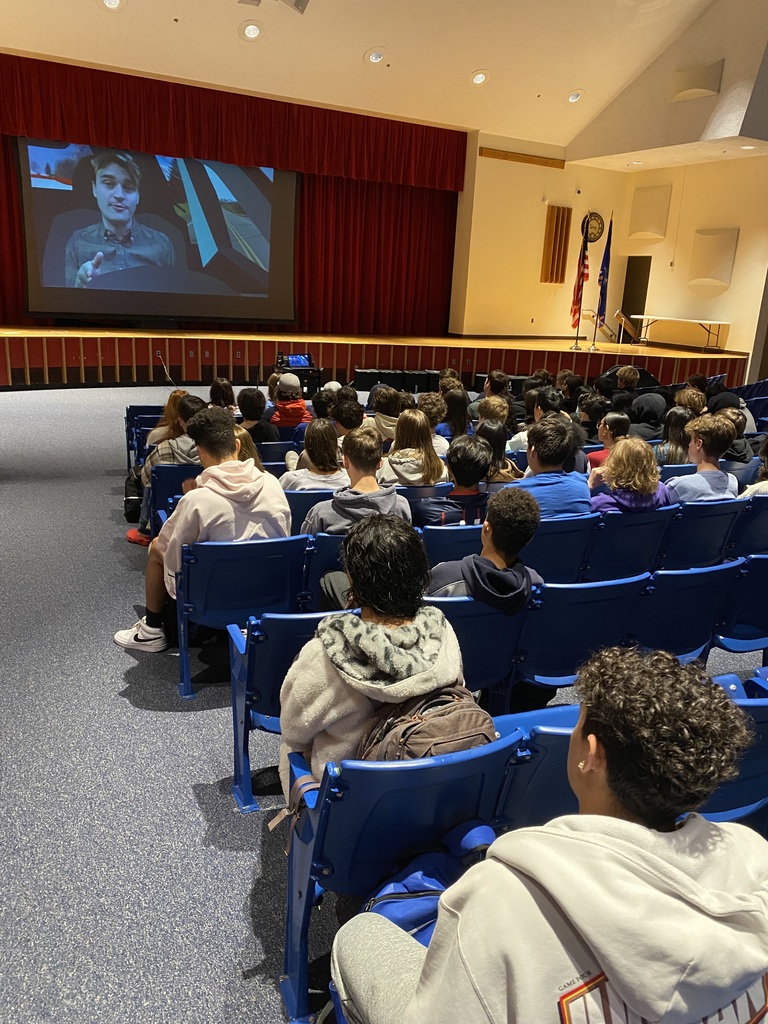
(131,888)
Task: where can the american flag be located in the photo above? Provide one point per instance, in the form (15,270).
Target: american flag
(582,275)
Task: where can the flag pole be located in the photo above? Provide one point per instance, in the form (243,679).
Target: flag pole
(593,346)
(580,279)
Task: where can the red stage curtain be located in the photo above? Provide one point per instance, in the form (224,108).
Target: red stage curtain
(43,100)
(374,258)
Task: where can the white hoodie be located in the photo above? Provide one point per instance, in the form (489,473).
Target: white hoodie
(232,501)
(593,920)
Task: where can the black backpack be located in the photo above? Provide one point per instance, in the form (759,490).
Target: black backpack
(440,722)
(134,493)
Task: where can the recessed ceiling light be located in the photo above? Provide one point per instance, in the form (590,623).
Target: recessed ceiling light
(575,96)
(249,30)
(113,5)
(746,147)
(637,163)
(375,55)
(478,77)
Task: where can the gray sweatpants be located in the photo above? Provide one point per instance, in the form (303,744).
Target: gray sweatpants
(376,967)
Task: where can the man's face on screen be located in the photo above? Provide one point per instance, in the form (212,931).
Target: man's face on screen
(117,196)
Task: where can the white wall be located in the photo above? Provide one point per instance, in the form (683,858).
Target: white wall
(715,195)
(501,232)
(501,253)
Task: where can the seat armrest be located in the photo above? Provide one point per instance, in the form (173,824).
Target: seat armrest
(237,639)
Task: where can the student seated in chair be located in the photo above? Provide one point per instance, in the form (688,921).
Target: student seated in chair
(233,501)
(253,404)
(496,576)
(468,461)
(632,478)
(711,436)
(395,650)
(635,909)
(551,440)
(361,451)
(179,450)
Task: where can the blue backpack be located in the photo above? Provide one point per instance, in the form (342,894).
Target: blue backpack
(410,898)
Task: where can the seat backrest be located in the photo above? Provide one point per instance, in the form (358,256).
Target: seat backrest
(567,622)
(225,582)
(750,532)
(742,615)
(286,433)
(559,546)
(678,609)
(375,816)
(745,472)
(686,469)
(276,469)
(324,555)
(274,451)
(300,502)
(750,788)
(166,483)
(520,459)
(487,638)
(439,490)
(537,790)
(132,412)
(273,642)
(452,543)
(625,543)
(698,534)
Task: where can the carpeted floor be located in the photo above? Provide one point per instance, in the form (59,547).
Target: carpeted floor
(133,889)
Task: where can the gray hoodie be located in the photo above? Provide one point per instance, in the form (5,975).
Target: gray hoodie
(589,919)
(349,670)
(349,506)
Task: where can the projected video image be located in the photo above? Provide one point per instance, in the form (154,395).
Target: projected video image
(111,220)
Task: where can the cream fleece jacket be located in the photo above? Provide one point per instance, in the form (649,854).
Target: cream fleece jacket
(350,668)
(232,501)
(404,469)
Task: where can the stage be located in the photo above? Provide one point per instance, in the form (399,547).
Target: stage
(39,357)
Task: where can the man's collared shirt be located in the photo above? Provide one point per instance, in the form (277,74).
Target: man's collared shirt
(139,247)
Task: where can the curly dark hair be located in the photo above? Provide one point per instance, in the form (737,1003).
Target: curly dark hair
(387,566)
(671,736)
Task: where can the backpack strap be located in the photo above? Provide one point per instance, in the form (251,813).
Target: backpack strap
(304,784)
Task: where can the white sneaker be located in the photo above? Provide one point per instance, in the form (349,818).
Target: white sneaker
(291,460)
(142,637)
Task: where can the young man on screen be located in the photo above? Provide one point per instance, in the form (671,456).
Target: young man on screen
(118,242)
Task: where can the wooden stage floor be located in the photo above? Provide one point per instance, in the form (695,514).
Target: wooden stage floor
(45,356)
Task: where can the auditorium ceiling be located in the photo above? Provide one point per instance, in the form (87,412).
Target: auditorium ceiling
(534,54)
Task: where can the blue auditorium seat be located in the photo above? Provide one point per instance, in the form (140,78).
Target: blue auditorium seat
(625,543)
(677,610)
(559,546)
(750,534)
(451,543)
(275,451)
(743,621)
(686,469)
(698,534)
(367,818)
(225,582)
(745,472)
(567,622)
(300,502)
(166,482)
(259,658)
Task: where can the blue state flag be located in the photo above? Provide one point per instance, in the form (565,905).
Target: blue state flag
(602,280)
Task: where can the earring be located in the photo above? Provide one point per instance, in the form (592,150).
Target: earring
(581,765)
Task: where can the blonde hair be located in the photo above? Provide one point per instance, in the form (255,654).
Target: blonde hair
(248,449)
(691,398)
(494,407)
(631,466)
(413,432)
(629,375)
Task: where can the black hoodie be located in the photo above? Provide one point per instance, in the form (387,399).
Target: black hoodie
(506,590)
